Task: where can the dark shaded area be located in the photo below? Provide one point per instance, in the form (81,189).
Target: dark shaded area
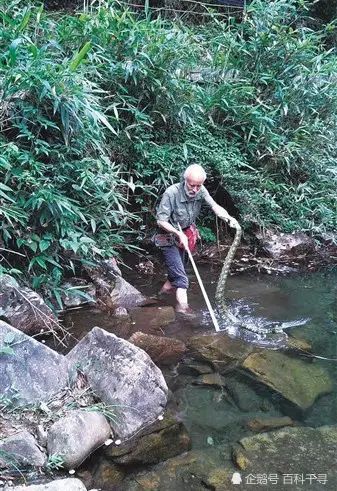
(325,10)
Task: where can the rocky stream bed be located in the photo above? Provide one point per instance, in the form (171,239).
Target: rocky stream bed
(128,396)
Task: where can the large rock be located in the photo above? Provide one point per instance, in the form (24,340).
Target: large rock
(243,394)
(125,295)
(296,380)
(77,435)
(196,470)
(292,452)
(23,308)
(279,245)
(162,350)
(123,377)
(152,319)
(161,441)
(58,485)
(223,352)
(20,450)
(112,290)
(30,372)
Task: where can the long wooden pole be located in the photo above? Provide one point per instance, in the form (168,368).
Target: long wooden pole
(202,288)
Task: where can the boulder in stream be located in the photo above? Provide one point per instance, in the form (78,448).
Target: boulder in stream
(23,308)
(159,442)
(30,372)
(298,381)
(223,352)
(152,319)
(162,350)
(123,377)
(75,436)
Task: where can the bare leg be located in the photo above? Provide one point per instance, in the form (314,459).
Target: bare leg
(182,302)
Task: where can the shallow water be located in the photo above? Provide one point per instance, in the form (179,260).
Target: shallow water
(209,412)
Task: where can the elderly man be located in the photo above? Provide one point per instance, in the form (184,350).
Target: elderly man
(180,205)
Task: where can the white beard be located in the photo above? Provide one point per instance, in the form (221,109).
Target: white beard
(188,194)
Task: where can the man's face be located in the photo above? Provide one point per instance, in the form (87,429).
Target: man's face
(193,185)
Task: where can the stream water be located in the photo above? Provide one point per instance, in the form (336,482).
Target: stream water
(209,415)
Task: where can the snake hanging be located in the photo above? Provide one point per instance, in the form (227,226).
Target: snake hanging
(268,328)
(220,297)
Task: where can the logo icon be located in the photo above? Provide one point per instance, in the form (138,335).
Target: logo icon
(236,478)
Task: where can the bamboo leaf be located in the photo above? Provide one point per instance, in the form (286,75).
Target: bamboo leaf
(79,57)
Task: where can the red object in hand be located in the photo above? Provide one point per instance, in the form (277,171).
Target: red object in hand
(192,235)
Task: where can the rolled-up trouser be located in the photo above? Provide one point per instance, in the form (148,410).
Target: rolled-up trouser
(174,260)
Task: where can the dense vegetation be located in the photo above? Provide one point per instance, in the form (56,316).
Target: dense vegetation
(101,109)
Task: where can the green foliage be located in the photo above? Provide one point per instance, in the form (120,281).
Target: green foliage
(55,462)
(101,110)
(7,347)
(111,412)
(10,461)
(207,234)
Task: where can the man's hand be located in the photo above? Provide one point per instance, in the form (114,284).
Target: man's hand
(183,240)
(222,213)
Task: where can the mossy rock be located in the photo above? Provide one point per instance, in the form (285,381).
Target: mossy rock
(196,470)
(223,352)
(298,381)
(164,439)
(299,450)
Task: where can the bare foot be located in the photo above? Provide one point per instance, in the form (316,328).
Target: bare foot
(185,310)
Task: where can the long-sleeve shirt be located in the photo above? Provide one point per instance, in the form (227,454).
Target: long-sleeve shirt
(176,207)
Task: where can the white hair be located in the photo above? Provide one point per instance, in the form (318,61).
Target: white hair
(195,168)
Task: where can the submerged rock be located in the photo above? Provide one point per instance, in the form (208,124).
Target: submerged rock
(223,352)
(263,424)
(107,475)
(123,376)
(21,450)
(30,372)
(151,319)
(58,485)
(292,451)
(212,379)
(196,470)
(77,435)
(162,350)
(164,439)
(23,308)
(297,381)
